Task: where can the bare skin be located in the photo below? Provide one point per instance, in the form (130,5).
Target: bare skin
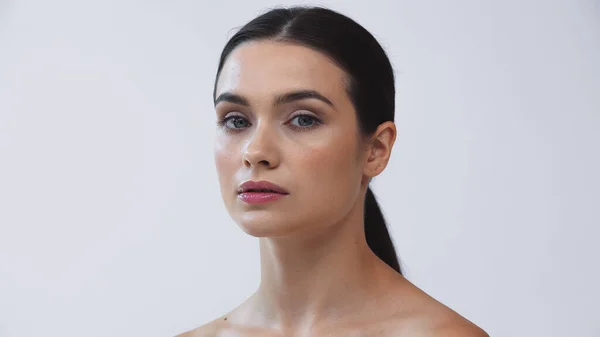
(318,275)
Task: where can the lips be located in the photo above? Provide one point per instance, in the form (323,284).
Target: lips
(261,187)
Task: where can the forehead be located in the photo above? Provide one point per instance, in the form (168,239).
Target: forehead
(269,67)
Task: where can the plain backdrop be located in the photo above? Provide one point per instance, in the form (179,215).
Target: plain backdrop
(111,220)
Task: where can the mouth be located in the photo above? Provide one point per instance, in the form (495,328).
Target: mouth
(260,191)
(261,187)
(257,192)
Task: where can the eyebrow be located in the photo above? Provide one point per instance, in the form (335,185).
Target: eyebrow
(279,100)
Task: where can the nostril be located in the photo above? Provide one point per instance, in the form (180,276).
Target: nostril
(257,159)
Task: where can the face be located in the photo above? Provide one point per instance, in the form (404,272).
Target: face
(285,117)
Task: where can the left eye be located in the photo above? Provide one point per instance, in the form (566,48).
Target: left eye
(304,121)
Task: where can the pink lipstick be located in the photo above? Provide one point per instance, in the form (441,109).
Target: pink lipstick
(259,192)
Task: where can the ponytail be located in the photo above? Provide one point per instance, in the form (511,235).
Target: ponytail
(378,237)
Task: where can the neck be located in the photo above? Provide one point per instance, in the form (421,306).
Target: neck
(310,280)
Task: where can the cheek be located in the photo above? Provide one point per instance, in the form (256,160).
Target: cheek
(225,154)
(328,181)
(331,163)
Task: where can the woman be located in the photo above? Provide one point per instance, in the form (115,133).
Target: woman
(304,99)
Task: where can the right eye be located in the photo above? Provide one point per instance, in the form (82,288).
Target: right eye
(235,122)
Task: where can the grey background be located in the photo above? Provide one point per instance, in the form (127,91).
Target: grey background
(111,222)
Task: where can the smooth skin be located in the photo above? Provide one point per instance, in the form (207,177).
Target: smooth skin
(285,116)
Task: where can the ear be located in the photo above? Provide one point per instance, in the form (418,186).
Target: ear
(379,149)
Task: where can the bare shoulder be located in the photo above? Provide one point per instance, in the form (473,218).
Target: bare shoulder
(452,325)
(456,329)
(210,329)
(446,322)
(427,317)
(223,326)
(203,331)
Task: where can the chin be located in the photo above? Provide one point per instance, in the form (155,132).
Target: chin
(264,225)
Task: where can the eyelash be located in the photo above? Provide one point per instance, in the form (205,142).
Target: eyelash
(222,123)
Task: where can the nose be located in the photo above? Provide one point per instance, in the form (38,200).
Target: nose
(261,148)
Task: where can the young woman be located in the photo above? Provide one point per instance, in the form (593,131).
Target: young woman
(304,99)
